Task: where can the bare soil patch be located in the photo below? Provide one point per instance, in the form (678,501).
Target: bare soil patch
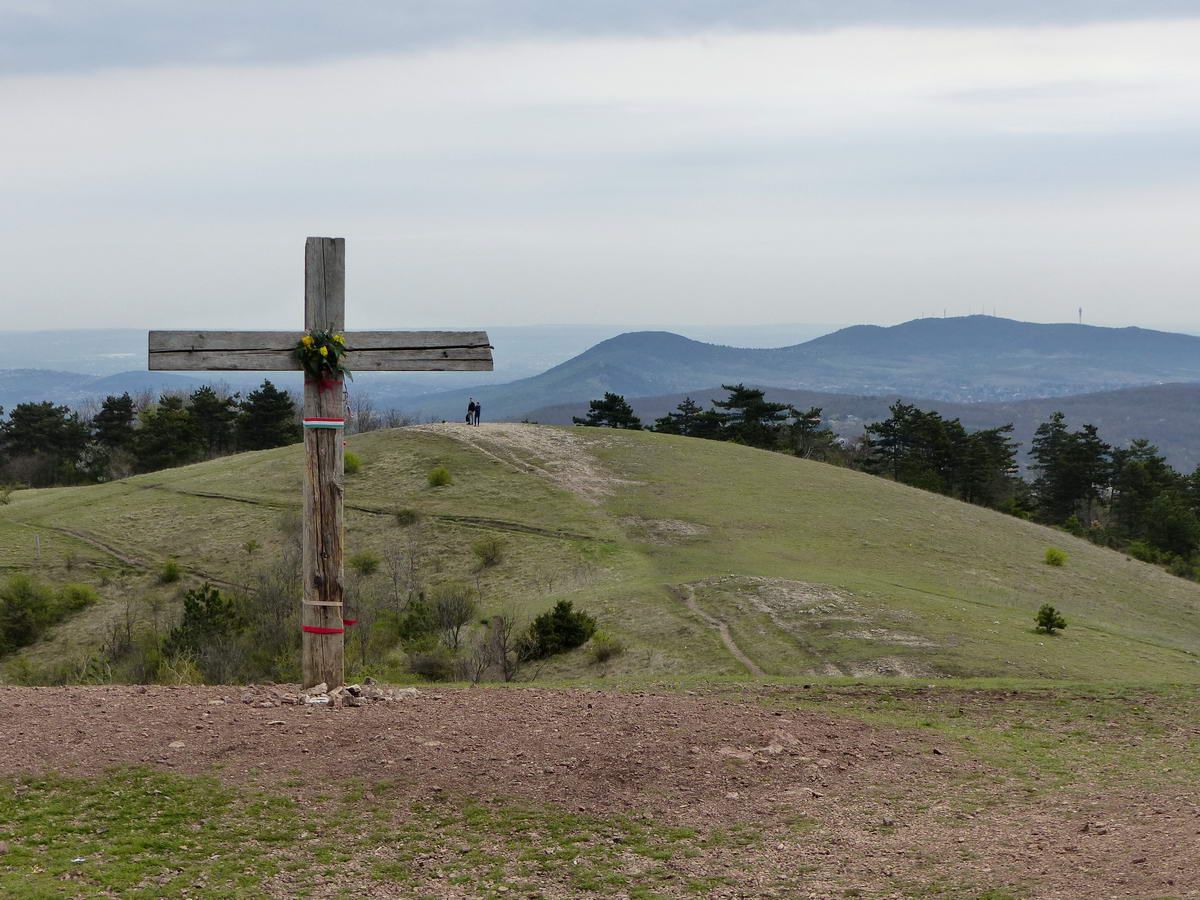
(556,454)
(884,808)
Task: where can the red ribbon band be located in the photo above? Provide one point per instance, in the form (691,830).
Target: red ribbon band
(316,629)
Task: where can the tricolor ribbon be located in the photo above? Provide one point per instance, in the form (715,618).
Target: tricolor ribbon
(320,422)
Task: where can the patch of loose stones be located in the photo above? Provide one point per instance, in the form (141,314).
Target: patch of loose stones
(370,691)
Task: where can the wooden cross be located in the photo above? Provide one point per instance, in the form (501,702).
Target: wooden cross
(324,414)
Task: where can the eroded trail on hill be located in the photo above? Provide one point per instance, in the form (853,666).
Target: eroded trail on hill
(558,455)
(688,593)
(468,521)
(125,557)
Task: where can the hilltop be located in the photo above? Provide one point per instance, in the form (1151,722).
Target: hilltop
(965,359)
(705,558)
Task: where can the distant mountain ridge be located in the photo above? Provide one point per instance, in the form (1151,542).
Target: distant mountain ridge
(966,359)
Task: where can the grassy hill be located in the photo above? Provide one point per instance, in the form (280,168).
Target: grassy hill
(705,558)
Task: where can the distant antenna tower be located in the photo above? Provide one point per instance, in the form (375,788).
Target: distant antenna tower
(1081,315)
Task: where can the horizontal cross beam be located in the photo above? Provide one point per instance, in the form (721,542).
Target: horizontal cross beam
(369,351)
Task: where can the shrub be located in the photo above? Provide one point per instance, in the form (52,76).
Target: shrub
(6,493)
(180,668)
(604,646)
(74,597)
(406,517)
(1049,619)
(1055,557)
(1141,550)
(488,551)
(1180,567)
(351,463)
(436,664)
(364,563)
(438,476)
(1074,526)
(556,631)
(251,547)
(169,572)
(208,618)
(28,608)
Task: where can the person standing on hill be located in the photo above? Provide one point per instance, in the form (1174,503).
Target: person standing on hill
(478,409)
(471,411)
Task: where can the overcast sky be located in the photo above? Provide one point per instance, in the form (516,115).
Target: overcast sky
(625,162)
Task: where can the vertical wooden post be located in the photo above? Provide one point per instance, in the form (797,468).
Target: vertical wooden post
(324,308)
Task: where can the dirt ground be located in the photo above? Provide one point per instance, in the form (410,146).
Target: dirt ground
(558,455)
(883,801)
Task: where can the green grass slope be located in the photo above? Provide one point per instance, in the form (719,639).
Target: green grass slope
(705,558)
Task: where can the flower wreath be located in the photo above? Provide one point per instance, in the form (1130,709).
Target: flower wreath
(320,354)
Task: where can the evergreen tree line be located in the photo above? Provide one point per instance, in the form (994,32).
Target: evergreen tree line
(1126,498)
(44,444)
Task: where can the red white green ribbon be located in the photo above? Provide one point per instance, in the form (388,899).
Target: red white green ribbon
(324,423)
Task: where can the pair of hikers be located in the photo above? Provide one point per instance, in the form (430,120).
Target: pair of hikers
(473,410)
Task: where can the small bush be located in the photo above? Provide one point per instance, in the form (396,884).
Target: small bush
(561,629)
(5,494)
(180,668)
(436,664)
(1055,557)
(169,572)
(251,547)
(1049,620)
(603,647)
(439,476)
(364,563)
(351,463)
(28,609)
(1074,526)
(74,597)
(488,551)
(407,517)
(1141,550)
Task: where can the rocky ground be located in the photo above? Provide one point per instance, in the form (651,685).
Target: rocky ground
(833,806)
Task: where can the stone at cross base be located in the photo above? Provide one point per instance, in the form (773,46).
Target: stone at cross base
(322,619)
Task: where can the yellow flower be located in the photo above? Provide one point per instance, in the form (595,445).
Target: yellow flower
(307,341)
(339,339)
(324,351)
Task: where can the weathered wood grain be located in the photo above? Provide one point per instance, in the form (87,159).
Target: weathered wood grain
(164,341)
(324,527)
(456,359)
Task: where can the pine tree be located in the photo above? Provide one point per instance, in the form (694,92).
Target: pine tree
(215,417)
(807,436)
(682,420)
(267,419)
(43,444)
(112,427)
(168,436)
(610,412)
(750,418)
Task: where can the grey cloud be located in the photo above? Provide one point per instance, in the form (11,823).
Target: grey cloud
(57,35)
